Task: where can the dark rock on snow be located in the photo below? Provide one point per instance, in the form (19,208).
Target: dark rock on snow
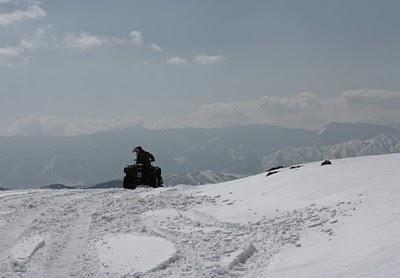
(275,168)
(271,173)
(326,162)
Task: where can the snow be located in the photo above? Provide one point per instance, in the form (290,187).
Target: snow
(242,257)
(25,248)
(14,192)
(339,220)
(122,254)
(365,243)
(322,130)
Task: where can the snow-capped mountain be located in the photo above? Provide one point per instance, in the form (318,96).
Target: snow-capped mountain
(199,178)
(380,144)
(33,161)
(340,220)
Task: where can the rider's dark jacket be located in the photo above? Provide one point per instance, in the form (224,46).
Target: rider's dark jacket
(144,157)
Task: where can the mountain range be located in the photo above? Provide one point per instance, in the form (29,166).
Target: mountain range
(379,144)
(87,160)
(199,177)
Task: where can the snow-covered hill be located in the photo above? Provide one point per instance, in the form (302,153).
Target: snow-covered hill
(380,144)
(340,220)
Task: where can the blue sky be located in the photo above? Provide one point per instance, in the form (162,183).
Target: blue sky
(199,63)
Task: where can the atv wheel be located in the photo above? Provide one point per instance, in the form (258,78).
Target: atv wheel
(128,183)
(159,182)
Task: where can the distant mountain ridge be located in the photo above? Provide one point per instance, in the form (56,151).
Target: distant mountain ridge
(33,161)
(380,144)
(108,184)
(57,186)
(188,178)
(199,178)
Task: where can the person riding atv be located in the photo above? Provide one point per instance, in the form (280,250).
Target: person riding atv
(142,173)
(143,157)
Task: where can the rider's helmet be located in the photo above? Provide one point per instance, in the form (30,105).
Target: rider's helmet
(137,149)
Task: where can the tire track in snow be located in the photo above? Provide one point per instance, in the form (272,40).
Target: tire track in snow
(203,242)
(71,224)
(68,236)
(76,238)
(23,210)
(209,247)
(51,221)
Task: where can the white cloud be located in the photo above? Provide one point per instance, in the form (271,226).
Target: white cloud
(205,59)
(8,55)
(31,12)
(304,110)
(24,48)
(367,97)
(303,102)
(35,41)
(176,61)
(9,52)
(369,105)
(156,48)
(136,38)
(83,41)
(221,114)
(49,125)
(88,41)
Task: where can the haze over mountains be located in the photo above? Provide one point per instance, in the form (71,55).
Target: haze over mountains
(34,161)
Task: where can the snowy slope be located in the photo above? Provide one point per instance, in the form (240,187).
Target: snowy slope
(340,220)
(380,144)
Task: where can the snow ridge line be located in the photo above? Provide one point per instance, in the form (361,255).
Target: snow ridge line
(75,239)
(242,257)
(165,264)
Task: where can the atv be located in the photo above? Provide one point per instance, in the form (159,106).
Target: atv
(137,174)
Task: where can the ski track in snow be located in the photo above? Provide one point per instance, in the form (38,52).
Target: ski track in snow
(73,222)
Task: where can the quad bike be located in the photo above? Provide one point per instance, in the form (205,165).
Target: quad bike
(137,174)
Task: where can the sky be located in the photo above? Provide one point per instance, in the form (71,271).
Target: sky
(70,67)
